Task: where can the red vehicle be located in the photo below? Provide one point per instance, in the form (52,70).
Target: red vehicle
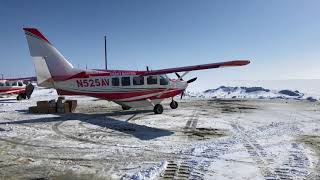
(130,89)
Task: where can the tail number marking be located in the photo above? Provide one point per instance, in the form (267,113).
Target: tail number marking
(92,82)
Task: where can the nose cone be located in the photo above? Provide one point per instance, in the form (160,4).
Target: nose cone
(181,84)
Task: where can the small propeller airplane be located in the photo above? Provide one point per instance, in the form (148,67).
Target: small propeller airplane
(20,86)
(129,89)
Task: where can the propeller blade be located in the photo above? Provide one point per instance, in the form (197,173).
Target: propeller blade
(191,80)
(182,94)
(178,75)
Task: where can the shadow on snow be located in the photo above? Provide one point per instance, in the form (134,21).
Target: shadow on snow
(105,120)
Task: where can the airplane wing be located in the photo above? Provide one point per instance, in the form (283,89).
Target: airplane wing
(196,67)
(22,79)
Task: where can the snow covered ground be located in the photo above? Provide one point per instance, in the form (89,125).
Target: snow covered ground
(202,139)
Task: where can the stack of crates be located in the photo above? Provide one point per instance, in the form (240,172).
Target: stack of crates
(52,106)
(61,106)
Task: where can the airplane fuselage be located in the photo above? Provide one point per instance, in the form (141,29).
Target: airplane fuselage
(129,89)
(11,87)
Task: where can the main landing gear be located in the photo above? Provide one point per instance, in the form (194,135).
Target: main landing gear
(21,96)
(158,109)
(125,107)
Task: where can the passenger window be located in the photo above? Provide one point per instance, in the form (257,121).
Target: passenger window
(152,80)
(20,83)
(115,82)
(163,80)
(14,84)
(125,81)
(1,84)
(138,80)
(7,83)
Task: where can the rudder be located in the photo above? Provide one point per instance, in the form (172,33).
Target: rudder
(49,63)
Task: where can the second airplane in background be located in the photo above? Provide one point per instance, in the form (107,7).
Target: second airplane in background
(130,89)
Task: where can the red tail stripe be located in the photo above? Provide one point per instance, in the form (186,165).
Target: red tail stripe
(37,33)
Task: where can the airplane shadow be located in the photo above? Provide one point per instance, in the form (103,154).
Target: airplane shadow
(105,120)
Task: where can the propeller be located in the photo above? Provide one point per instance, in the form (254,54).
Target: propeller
(178,75)
(189,81)
(182,94)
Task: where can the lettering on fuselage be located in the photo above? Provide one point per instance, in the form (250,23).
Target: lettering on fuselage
(120,73)
(92,82)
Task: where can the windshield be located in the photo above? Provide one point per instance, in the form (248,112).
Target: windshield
(164,80)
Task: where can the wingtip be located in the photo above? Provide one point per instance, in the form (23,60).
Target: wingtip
(243,62)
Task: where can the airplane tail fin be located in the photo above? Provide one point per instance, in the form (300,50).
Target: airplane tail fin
(49,63)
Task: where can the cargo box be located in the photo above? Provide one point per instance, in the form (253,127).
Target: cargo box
(66,108)
(72,104)
(60,110)
(43,104)
(61,98)
(52,110)
(52,103)
(60,103)
(33,109)
(43,110)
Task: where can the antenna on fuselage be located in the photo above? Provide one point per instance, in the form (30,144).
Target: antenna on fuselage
(147,68)
(105,51)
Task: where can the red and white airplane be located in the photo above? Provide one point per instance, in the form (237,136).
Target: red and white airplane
(130,89)
(20,86)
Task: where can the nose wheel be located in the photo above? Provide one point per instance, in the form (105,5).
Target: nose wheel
(174,104)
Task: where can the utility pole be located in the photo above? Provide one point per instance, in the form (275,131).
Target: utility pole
(105,51)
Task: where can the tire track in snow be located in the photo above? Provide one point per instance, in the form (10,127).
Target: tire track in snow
(257,153)
(181,170)
(296,167)
(216,149)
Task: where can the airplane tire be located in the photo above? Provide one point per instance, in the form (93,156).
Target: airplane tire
(125,108)
(174,104)
(158,109)
(24,96)
(19,97)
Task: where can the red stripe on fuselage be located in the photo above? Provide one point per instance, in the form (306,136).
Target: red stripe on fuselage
(13,90)
(118,96)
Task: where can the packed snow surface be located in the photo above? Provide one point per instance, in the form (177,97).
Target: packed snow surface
(204,138)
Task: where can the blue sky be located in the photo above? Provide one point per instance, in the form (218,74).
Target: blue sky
(280,37)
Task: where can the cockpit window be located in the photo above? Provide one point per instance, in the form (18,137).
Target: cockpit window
(164,80)
(1,84)
(138,80)
(152,80)
(7,83)
(14,83)
(20,83)
(125,81)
